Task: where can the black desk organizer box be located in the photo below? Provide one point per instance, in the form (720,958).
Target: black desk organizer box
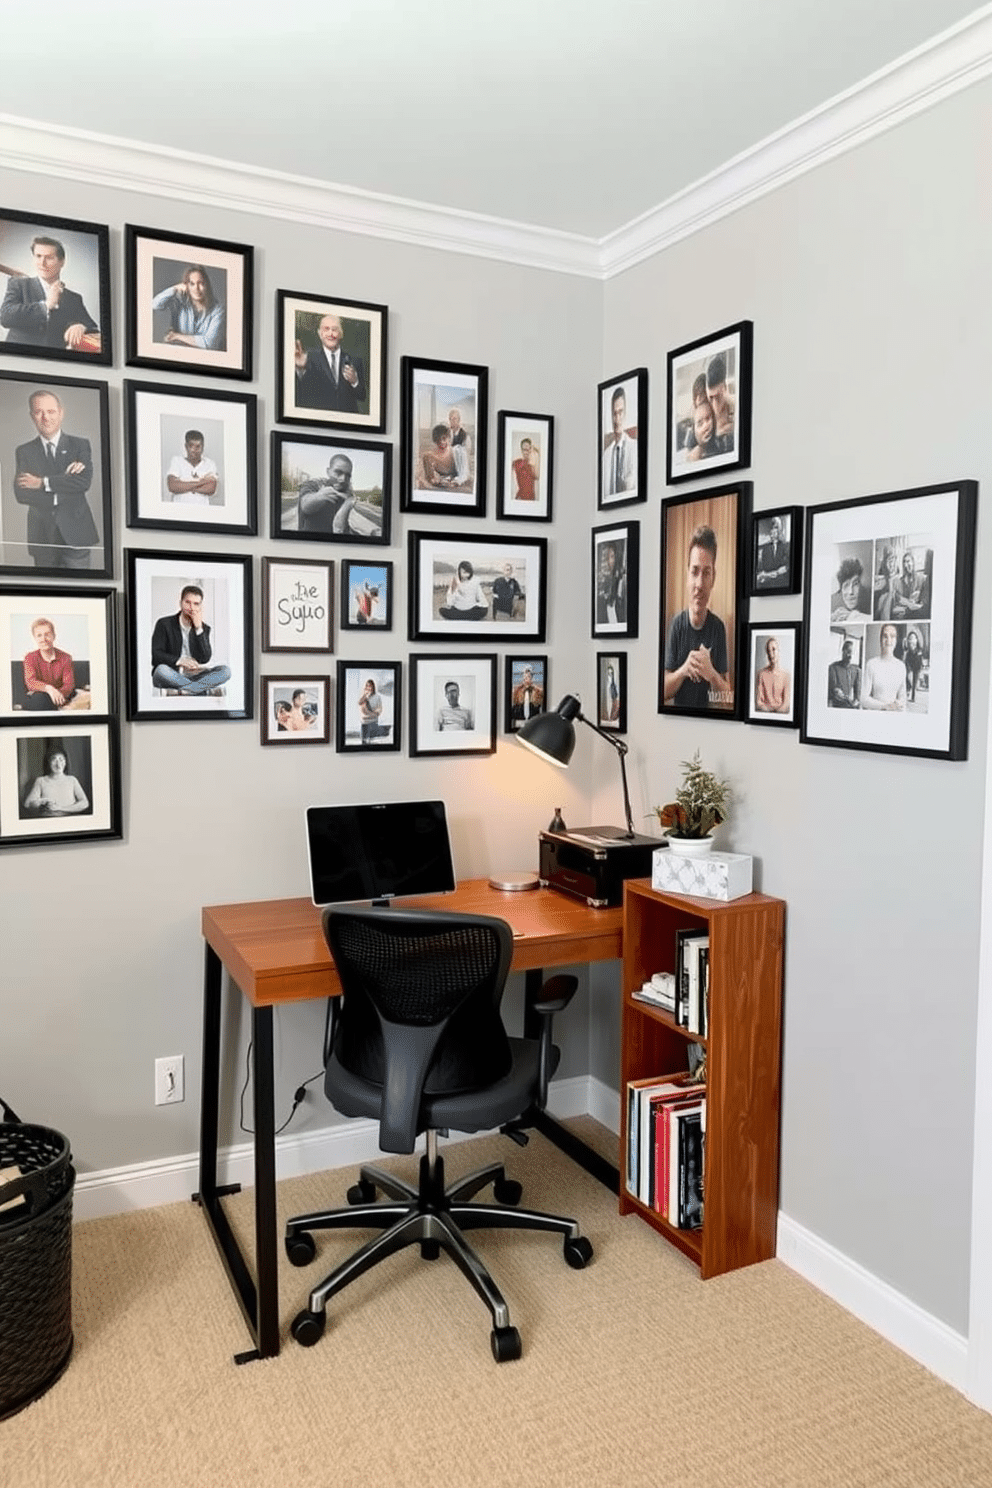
(35,1261)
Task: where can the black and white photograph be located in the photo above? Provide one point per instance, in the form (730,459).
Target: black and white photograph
(330,361)
(189,636)
(60,783)
(709,404)
(366,595)
(775,673)
(887,616)
(59,649)
(463,587)
(703,540)
(615,555)
(525,466)
(297,604)
(526,692)
(189,303)
(295,710)
(611,690)
(55,282)
(328,489)
(452,704)
(623,439)
(444,410)
(776,551)
(191,458)
(55,496)
(369,714)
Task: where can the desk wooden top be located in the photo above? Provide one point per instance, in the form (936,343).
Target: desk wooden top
(275,950)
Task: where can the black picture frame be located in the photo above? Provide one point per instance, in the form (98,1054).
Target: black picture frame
(308,394)
(776,562)
(444,396)
(300,469)
(197,289)
(615,586)
(724,513)
(36,537)
(525,694)
(622,442)
(508,576)
(294,710)
(775,692)
(154,581)
(525,451)
(27,327)
(854,593)
(297,605)
(167,489)
(611,691)
(364,728)
(724,404)
(431,703)
(84,669)
(366,594)
(30,814)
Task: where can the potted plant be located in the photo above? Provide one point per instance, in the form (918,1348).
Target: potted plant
(699,807)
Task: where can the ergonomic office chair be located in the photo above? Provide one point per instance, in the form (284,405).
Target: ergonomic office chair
(418,1043)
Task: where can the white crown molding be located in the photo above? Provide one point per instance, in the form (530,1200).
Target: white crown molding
(954,60)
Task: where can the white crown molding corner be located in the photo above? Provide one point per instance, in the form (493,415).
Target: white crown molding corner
(939,68)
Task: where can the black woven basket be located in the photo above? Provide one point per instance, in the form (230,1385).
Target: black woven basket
(44,1160)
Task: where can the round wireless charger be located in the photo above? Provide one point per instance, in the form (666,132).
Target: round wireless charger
(512,883)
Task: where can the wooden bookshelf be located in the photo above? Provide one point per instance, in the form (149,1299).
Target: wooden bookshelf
(743,1058)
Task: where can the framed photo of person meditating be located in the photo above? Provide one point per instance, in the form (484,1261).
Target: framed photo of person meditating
(464,588)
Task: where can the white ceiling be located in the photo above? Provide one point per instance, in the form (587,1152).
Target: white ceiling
(576,115)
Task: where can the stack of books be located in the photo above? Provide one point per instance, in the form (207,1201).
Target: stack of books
(666,1135)
(692,980)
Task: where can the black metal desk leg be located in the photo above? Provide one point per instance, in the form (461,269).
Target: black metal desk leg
(266,1236)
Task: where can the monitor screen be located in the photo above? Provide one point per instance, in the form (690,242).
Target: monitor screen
(382,851)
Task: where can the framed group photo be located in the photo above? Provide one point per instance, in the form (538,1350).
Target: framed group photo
(775,674)
(709,404)
(191,458)
(623,439)
(615,571)
(59,653)
(329,489)
(60,782)
(366,595)
(525,466)
(55,282)
(189,303)
(887,613)
(330,361)
(443,436)
(703,552)
(55,497)
(776,551)
(526,692)
(463,587)
(189,635)
(297,604)
(452,705)
(369,715)
(611,690)
(295,710)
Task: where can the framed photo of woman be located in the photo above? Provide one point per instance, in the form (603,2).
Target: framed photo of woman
(189,303)
(369,717)
(774,694)
(60,783)
(463,587)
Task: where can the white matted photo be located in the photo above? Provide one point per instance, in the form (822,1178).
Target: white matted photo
(191,459)
(775,673)
(58,649)
(525,465)
(189,303)
(452,705)
(295,710)
(463,587)
(59,783)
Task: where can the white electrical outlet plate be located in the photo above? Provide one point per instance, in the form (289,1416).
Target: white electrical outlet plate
(170,1080)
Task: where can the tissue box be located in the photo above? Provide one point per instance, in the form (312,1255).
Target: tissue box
(716,876)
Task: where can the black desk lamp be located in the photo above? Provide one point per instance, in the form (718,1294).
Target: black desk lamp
(552,736)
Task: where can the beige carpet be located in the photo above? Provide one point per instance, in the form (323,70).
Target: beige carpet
(633,1371)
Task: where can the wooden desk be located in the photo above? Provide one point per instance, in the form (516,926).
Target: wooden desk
(275,952)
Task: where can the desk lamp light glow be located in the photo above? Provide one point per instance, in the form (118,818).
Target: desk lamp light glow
(552,736)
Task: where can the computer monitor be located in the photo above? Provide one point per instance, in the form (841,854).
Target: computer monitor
(378,852)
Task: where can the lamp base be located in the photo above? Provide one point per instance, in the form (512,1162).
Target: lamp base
(514,883)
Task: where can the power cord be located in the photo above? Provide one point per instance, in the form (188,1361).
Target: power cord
(299,1093)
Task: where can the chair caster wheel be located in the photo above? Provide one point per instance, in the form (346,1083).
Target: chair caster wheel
(308,1327)
(505,1344)
(361,1193)
(507,1191)
(578,1252)
(300,1248)
(429,1250)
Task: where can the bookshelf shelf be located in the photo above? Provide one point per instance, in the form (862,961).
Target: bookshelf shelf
(740,1180)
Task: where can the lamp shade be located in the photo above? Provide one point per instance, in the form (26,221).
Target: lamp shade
(552,735)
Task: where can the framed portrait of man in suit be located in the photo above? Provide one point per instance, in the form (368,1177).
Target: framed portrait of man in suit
(55,503)
(330,361)
(54,289)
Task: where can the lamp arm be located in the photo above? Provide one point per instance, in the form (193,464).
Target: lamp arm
(622,750)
